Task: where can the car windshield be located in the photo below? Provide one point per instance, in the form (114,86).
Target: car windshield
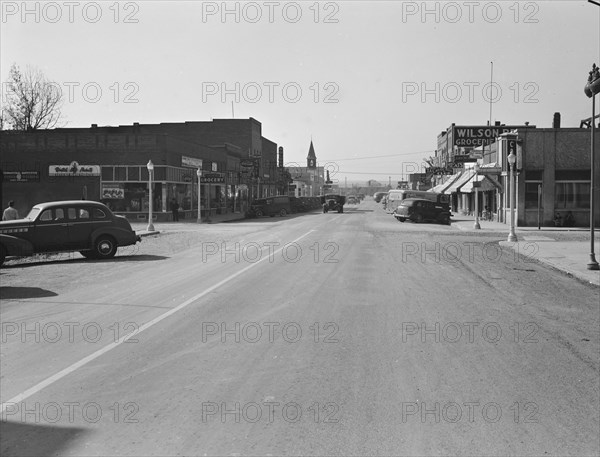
(33,213)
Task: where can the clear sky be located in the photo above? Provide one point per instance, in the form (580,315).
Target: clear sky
(372,83)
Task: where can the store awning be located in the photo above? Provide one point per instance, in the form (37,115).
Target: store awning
(456,185)
(486,184)
(441,188)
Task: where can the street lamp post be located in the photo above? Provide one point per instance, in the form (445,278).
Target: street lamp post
(150,167)
(476,187)
(591,89)
(512,158)
(199,174)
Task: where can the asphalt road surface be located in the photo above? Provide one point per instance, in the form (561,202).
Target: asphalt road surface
(315,334)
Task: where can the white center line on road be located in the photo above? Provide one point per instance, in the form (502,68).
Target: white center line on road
(70,369)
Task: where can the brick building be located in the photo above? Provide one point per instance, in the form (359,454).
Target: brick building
(552,161)
(109,164)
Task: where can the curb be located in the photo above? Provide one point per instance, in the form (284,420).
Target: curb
(144,233)
(586,276)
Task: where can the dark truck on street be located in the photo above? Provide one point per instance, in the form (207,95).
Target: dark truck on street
(333,203)
(271,206)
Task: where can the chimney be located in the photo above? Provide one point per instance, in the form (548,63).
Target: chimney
(556,121)
(280,156)
(94,126)
(497,124)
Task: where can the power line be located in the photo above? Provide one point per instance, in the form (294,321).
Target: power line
(376,157)
(341,172)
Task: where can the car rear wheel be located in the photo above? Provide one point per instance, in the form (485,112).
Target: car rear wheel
(445,220)
(341,210)
(283,212)
(105,247)
(259,213)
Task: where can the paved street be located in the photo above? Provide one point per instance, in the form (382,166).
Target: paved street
(313,334)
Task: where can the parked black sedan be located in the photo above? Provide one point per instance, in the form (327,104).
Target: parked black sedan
(74,225)
(420,210)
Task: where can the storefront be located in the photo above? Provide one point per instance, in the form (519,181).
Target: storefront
(125,189)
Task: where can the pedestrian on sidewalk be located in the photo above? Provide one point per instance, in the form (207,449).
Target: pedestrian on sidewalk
(569,220)
(558,222)
(10,213)
(175,210)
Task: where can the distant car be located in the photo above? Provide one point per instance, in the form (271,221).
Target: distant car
(420,210)
(352,200)
(378,196)
(271,206)
(333,203)
(78,225)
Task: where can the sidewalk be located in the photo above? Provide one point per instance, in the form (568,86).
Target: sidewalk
(568,256)
(141,227)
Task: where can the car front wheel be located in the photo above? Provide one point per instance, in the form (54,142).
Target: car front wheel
(259,213)
(105,247)
(283,212)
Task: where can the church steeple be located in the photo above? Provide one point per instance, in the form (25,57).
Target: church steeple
(311,159)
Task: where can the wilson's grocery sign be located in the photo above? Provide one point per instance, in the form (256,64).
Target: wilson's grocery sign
(473,136)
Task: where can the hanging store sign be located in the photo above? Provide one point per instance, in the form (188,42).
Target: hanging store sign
(21,176)
(212,178)
(490,170)
(248,163)
(465,158)
(191,162)
(74,169)
(473,136)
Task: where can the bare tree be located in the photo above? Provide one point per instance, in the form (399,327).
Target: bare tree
(32,101)
(430,161)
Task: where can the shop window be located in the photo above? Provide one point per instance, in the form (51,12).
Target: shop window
(108,174)
(531,194)
(120,174)
(572,195)
(160,173)
(133,173)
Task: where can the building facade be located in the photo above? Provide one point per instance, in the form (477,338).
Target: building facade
(552,172)
(109,164)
